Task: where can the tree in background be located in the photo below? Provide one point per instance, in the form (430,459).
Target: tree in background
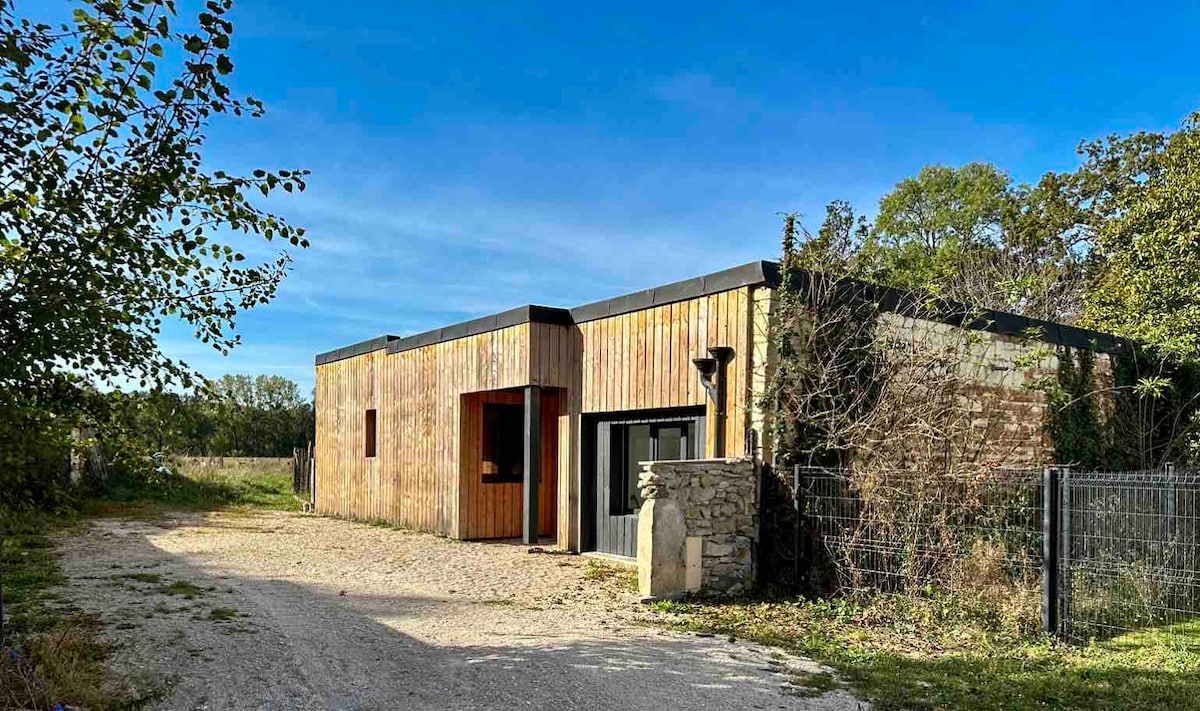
(236,415)
(1113,245)
(110,222)
(261,416)
(1143,198)
(971,235)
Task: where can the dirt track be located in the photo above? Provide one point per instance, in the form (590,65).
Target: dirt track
(285,611)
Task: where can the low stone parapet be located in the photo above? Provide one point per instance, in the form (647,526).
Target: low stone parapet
(697,527)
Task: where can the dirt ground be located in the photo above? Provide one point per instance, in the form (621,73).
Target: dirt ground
(286,611)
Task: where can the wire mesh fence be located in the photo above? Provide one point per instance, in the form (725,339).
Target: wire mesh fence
(1093,554)
(896,530)
(1130,551)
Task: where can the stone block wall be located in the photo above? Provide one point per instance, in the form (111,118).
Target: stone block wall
(1010,410)
(718,500)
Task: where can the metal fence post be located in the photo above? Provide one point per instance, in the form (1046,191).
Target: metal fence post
(1063,577)
(1171,500)
(1050,549)
(799,563)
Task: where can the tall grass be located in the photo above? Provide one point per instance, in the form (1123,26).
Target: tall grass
(204,484)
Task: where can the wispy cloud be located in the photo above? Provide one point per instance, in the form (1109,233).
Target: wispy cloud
(699,92)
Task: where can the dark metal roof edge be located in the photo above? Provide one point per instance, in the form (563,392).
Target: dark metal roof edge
(530,313)
(999,322)
(355,349)
(749,274)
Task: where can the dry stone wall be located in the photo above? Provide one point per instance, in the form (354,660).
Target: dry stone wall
(718,500)
(1009,406)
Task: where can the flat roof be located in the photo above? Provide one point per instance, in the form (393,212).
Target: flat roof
(750,274)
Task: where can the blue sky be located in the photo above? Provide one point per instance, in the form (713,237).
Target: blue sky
(471,157)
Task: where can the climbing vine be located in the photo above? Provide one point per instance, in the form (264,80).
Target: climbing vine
(1144,416)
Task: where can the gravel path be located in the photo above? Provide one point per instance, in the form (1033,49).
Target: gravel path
(284,611)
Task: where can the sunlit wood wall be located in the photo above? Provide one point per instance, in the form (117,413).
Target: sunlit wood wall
(642,360)
(425,474)
(415,478)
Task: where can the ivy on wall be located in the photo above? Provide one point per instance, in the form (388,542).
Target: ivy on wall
(1145,417)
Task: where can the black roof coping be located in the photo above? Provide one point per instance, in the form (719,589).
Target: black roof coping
(356,349)
(750,274)
(998,322)
(530,313)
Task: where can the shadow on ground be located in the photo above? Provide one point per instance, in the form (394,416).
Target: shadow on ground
(224,641)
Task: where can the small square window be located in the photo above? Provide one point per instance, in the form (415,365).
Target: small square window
(370,433)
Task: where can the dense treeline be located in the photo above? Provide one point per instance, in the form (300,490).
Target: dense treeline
(238,415)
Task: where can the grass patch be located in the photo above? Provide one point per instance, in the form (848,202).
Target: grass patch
(384,523)
(599,571)
(241,485)
(67,665)
(223,614)
(809,684)
(153,578)
(937,652)
(182,588)
(48,657)
(29,571)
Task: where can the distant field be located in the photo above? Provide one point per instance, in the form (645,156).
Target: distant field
(234,465)
(206,483)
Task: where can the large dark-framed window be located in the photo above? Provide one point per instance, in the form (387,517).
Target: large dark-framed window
(634,443)
(503,458)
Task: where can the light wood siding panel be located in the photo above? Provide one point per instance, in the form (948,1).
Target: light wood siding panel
(652,351)
(569,424)
(424,474)
(418,478)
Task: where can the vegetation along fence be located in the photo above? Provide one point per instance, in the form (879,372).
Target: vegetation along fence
(1084,554)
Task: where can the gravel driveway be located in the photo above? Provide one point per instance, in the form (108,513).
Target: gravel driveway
(285,611)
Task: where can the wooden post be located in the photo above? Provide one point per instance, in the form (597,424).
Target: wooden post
(533,462)
(312,476)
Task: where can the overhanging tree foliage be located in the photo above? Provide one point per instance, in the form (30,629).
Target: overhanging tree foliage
(109,220)
(971,234)
(1144,198)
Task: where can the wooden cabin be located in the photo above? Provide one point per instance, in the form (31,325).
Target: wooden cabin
(531,422)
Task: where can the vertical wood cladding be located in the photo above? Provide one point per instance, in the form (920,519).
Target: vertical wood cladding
(415,478)
(642,360)
(493,510)
(426,473)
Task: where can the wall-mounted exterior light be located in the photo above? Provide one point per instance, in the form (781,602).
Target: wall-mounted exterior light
(712,377)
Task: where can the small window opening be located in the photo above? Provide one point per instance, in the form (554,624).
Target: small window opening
(503,443)
(370,429)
